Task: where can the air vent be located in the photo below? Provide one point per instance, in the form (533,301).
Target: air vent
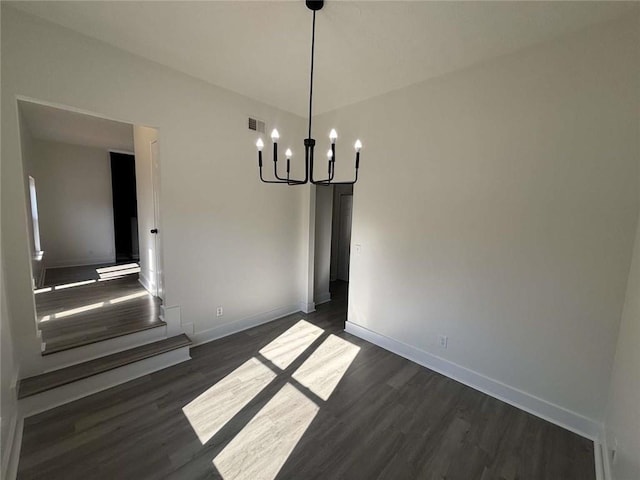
(256,125)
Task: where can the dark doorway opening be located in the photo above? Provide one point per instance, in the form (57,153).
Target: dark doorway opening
(125,206)
(341,232)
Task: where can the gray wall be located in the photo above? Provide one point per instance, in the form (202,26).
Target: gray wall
(75,203)
(498,206)
(622,423)
(236,243)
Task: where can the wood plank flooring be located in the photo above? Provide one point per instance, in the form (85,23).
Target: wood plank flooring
(287,401)
(63,275)
(79,315)
(46,381)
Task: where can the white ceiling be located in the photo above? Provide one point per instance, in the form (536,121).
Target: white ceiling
(57,125)
(363,49)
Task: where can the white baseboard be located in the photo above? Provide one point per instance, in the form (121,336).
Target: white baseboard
(144,281)
(173,318)
(12,453)
(227,329)
(8,448)
(79,262)
(322,298)
(539,407)
(607,474)
(88,386)
(598,460)
(307,307)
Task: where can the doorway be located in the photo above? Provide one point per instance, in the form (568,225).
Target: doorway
(125,207)
(94,198)
(345,208)
(341,232)
(332,251)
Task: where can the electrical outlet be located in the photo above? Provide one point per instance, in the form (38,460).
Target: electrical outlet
(219,311)
(443,341)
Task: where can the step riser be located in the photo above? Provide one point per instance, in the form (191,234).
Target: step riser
(74,356)
(53,398)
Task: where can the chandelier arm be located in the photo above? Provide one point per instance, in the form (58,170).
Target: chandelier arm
(275,171)
(329,181)
(275,162)
(270,181)
(262,177)
(333,161)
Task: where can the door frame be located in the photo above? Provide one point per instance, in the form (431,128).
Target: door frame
(340,227)
(155,197)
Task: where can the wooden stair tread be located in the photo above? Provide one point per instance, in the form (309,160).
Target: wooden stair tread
(47,381)
(62,345)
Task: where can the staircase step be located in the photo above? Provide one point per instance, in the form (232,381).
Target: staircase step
(75,340)
(57,378)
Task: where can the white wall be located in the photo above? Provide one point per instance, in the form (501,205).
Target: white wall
(8,374)
(228,239)
(26,147)
(622,422)
(324,214)
(498,206)
(75,203)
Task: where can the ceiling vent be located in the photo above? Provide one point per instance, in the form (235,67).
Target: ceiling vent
(256,125)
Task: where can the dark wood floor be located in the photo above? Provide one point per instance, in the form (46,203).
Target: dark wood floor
(83,314)
(261,405)
(63,275)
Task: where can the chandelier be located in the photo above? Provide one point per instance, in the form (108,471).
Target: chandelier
(309,143)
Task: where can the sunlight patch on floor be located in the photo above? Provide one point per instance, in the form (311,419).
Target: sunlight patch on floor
(119,273)
(324,369)
(210,411)
(114,268)
(130,297)
(74,284)
(260,450)
(94,306)
(73,311)
(287,347)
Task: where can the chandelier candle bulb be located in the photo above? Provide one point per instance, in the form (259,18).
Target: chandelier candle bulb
(288,155)
(260,144)
(358,146)
(275,136)
(333,136)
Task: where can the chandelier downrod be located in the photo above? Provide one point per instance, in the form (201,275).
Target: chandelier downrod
(309,142)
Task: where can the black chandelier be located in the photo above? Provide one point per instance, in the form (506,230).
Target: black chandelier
(309,143)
